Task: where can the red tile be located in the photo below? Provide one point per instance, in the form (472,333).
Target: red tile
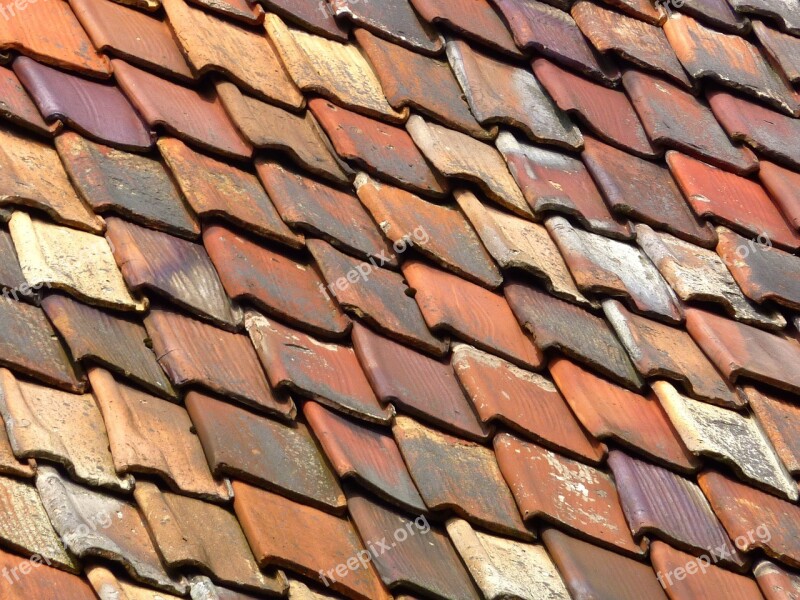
(775,582)
(47,582)
(16,106)
(783,49)
(783,186)
(779,417)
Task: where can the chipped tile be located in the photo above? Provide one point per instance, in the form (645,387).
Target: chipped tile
(439,232)
(500,93)
(106,583)
(328,373)
(523,401)
(47,583)
(194,353)
(661,351)
(783,11)
(717,13)
(779,419)
(775,582)
(308,14)
(275,283)
(10,464)
(18,107)
(562,491)
(136,187)
(783,49)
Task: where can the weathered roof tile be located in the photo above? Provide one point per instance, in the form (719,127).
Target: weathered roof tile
(779,419)
(47,583)
(783,49)
(717,13)
(18,107)
(12,281)
(775,582)
(783,11)
(641,9)
(784,188)
(309,14)
(238,10)
(105,581)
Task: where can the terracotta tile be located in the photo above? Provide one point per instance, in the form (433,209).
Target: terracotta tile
(29,345)
(733,438)
(572,331)
(12,281)
(196,117)
(416,562)
(775,582)
(636,422)
(365,454)
(140,38)
(717,13)
(16,106)
(335,215)
(52,34)
(778,418)
(729,60)
(136,187)
(415,383)
(238,10)
(620,578)
(523,401)
(377,296)
(212,44)
(698,274)
(80,516)
(700,582)
(31,174)
(380,149)
(675,119)
(277,530)
(501,93)
(328,373)
(731,200)
(309,15)
(783,12)
(273,128)
(469,312)
(151,436)
(662,505)
(438,232)
(783,49)
(562,491)
(47,583)
(519,244)
(553,33)
(190,532)
(600,265)
(782,185)
(742,351)
(275,283)
(196,354)
(661,351)
(641,9)
(10,464)
(105,581)
(495,565)
(753,518)
(217,189)
(460,476)
(643,44)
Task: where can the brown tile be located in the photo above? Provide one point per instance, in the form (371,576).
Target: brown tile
(95,524)
(335,215)
(18,107)
(47,583)
(239,10)
(151,436)
(467,311)
(460,476)
(783,12)
(196,354)
(12,281)
(731,200)
(417,560)
(31,174)
(417,384)
(367,455)
(553,33)
(641,9)
(729,60)
(282,458)
(775,582)
(140,38)
(661,351)
(377,296)
(309,15)
(275,283)
(698,274)
(523,401)
(562,491)
(610,412)
(739,350)
(196,117)
(675,119)
(501,93)
(732,438)
(136,187)
(328,373)
(604,266)
(273,128)
(441,233)
(572,331)
(755,519)
(779,419)
(190,532)
(687,578)
(105,581)
(277,530)
(620,578)
(380,149)
(643,44)
(718,14)
(519,244)
(783,186)
(298,590)
(783,49)
(459,156)
(217,189)
(52,34)
(10,464)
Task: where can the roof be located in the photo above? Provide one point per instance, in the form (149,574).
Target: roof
(372,299)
